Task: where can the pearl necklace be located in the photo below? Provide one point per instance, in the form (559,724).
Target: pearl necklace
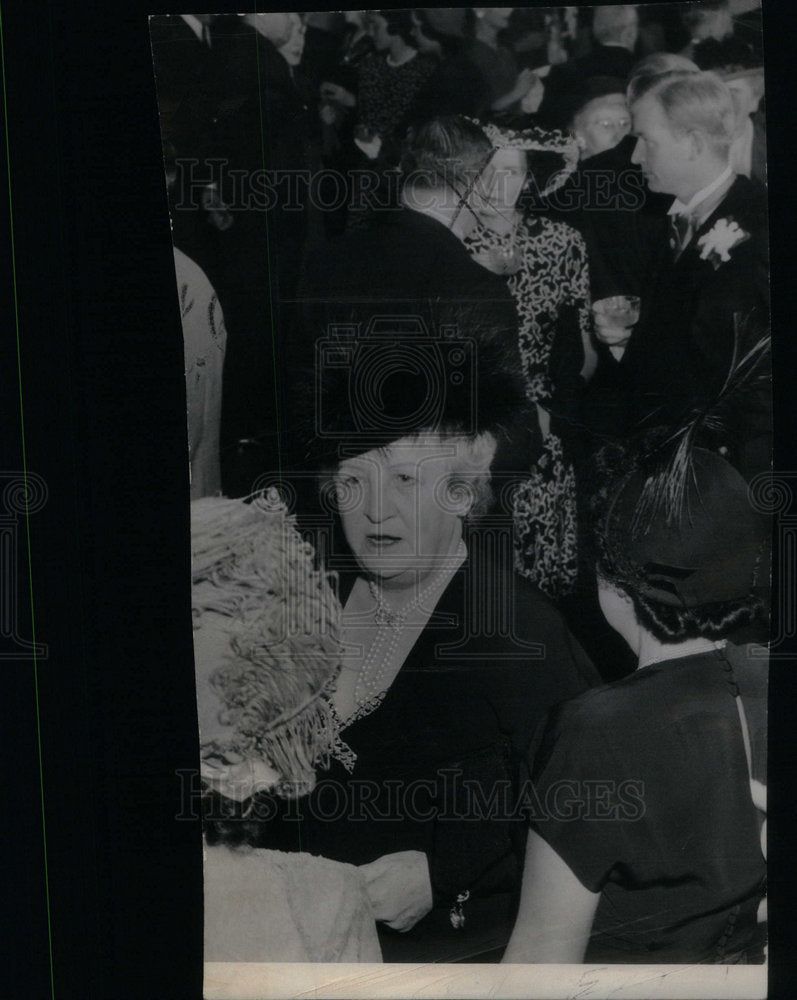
(390,625)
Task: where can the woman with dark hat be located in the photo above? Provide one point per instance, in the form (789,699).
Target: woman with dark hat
(656,851)
(447,659)
(597,114)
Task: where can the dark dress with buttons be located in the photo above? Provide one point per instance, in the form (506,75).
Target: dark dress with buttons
(438,762)
(643,789)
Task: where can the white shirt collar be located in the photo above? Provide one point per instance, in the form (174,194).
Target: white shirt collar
(194,24)
(678,207)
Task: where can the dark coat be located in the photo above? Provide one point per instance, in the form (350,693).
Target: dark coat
(681,350)
(495,656)
(621,220)
(408,264)
(181,62)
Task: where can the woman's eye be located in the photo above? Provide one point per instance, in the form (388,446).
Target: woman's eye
(404,478)
(347,482)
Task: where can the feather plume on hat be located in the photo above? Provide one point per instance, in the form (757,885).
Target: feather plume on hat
(677,524)
(266,642)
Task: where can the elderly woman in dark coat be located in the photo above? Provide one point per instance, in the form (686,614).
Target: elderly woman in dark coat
(448,658)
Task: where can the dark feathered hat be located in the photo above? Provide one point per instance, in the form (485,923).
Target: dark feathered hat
(393,377)
(712,551)
(676,522)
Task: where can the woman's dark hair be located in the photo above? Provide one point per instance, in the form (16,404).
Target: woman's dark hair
(709,621)
(446,151)
(399,22)
(666,622)
(730,53)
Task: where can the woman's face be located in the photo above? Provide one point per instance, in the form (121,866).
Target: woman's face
(502,183)
(397,511)
(291,51)
(602,123)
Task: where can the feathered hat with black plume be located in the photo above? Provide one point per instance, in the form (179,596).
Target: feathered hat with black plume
(673,520)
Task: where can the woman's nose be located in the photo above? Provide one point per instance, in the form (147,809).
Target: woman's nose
(377,502)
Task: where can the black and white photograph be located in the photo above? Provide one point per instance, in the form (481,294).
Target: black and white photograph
(474,309)
(398,507)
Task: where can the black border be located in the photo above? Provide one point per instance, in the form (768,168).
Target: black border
(101,367)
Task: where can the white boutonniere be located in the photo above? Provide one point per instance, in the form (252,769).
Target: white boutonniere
(717,244)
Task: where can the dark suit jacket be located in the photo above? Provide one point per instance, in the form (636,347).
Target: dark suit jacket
(681,350)
(182,65)
(621,220)
(179,57)
(259,109)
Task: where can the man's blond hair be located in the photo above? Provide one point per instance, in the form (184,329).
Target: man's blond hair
(697,102)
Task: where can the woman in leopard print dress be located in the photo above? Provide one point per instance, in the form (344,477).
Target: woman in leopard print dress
(547,272)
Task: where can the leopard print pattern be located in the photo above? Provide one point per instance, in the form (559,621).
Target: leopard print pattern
(552,273)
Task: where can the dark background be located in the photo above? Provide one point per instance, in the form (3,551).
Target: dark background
(115,912)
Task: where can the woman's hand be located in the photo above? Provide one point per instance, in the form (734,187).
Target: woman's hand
(328,114)
(609,333)
(530,104)
(526,79)
(339,95)
(399,888)
(523,84)
(615,318)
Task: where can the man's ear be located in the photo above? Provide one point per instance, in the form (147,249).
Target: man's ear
(696,144)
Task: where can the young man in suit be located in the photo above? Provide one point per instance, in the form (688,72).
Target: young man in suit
(712,277)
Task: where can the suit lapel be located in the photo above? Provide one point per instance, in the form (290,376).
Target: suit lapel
(691,254)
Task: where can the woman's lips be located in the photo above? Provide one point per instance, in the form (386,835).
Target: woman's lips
(380,542)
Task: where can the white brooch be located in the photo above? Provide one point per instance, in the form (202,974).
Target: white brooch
(717,244)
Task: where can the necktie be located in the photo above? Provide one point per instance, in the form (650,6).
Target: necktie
(682,229)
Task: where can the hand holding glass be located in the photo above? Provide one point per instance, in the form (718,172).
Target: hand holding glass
(614,318)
